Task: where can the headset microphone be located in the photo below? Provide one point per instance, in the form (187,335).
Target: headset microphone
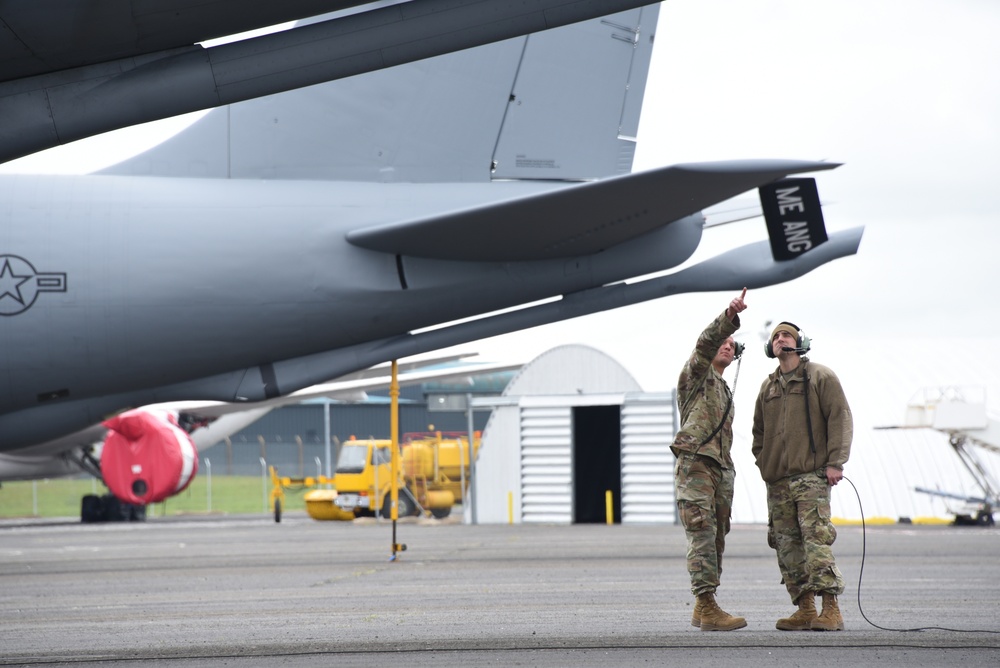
(802,343)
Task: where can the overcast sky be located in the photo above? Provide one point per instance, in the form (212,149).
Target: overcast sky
(905,94)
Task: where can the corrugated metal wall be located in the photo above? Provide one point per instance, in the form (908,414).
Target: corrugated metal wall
(546,464)
(648,427)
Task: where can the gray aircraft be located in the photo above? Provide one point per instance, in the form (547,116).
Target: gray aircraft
(70,70)
(210,422)
(284,241)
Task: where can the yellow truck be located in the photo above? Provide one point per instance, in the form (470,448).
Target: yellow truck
(432,467)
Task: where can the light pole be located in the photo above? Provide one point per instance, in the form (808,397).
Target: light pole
(263,482)
(208,473)
(326,437)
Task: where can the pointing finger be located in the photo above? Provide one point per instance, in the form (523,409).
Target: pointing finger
(743,296)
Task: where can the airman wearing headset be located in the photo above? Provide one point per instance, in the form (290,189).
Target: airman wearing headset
(802,431)
(704,473)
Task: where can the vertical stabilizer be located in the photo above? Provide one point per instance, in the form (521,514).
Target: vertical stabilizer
(562,104)
(574,108)
(794,217)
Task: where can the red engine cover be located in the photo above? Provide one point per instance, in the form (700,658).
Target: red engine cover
(147,457)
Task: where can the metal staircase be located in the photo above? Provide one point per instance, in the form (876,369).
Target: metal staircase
(961,414)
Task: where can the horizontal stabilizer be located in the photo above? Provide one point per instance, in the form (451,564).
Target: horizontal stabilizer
(733,211)
(578,219)
(794,217)
(747,266)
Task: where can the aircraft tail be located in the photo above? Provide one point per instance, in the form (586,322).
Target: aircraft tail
(562,104)
(794,217)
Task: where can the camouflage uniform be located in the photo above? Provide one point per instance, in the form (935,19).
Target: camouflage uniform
(800,531)
(798,495)
(704,474)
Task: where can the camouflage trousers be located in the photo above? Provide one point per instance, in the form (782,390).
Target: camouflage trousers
(705,505)
(800,531)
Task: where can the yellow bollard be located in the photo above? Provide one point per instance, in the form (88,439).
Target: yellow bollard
(609,507)
(510,507)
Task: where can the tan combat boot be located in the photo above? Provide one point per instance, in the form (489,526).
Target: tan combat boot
(714,618)
(696,613)
(801,619)
(829,618)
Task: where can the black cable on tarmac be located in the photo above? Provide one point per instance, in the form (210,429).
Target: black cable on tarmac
(861,571)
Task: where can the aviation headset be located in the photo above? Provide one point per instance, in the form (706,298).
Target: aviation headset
(738,352)
(802,343)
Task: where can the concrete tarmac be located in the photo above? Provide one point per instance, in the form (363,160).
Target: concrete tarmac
(245,591)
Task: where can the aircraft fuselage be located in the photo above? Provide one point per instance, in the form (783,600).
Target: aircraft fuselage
(116,291)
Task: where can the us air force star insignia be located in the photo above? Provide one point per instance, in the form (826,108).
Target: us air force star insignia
(20,284)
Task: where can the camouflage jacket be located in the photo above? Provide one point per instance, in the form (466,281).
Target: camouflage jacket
(703,395)
(780,428)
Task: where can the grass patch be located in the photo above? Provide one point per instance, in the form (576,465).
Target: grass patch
(60,497)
